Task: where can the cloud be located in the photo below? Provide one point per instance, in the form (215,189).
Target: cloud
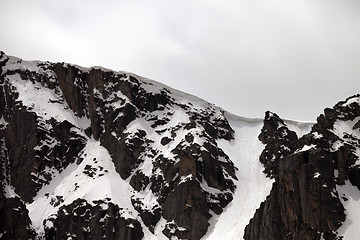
(293,57)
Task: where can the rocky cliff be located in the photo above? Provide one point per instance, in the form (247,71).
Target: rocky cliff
(163,146)
(304,202)
(90,153)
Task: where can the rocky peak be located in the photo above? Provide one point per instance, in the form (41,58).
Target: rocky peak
(304,202)
(279,142)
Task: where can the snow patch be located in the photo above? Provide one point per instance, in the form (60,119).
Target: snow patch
(300,128)
(350,198)
(45,102)
(305,148)
(10,191)
(3,122)
(317,135)
(76,182)
(187,178)
(345,127)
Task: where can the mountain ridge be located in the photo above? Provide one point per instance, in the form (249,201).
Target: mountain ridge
(113,155)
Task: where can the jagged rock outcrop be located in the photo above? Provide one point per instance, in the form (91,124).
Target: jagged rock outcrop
(304,202)
(85,221)
(186,207)
(279,142)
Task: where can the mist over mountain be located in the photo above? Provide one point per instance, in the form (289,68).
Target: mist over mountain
(90,153)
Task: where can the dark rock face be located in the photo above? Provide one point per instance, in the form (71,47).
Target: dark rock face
(32,144)
(279,142)
(85,221)
(15,222)
(187,206)
(304,202)
(23,130)
(300,206)
(136,121)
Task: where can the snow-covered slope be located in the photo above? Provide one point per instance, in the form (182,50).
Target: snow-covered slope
(93,153)
(252,187)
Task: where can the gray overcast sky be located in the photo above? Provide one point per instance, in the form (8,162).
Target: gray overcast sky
(293,57)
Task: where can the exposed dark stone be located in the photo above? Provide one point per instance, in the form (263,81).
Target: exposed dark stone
(165,140)
(167,166)
(344,160)
(302,204)
(218,202)
(21,131)
(126,151)
(139,181)
(85,221)
(73,91)
(187,206)
(354,176)
(279,142)
(189,138)
(210,165)
(213,172)
(150,217)
(14,219)
(160,122)
(357,125)
(28,161)
(215,127)
(190,125)
(26,140)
